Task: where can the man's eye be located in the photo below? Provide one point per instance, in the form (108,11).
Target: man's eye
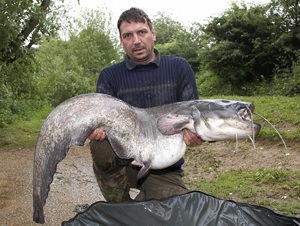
(126,35)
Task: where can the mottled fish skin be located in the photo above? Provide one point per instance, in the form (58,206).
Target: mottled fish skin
(134,133)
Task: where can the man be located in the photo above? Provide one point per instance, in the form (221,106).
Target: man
(144,79)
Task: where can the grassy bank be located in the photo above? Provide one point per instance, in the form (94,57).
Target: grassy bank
(268,176)
(23,133)
(272,180)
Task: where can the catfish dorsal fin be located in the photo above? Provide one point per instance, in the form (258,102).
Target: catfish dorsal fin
(172,124)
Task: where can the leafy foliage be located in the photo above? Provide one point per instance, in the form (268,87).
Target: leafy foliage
(246,46)
(22,24)
(92,41)
(173,39)
(89,49)
(285,82)
(58,69)
(56,83)
(228,51)
(285,16)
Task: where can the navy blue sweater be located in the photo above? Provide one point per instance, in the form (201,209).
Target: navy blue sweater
(163,81)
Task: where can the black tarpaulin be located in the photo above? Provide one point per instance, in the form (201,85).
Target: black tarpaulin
(194,208)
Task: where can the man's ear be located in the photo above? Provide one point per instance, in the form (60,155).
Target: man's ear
(154,34)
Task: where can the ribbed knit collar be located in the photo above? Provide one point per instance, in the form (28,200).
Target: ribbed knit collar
(131,65)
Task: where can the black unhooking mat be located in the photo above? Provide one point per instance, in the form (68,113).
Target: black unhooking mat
(193,208)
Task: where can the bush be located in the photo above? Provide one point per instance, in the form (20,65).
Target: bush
(27,88)
(288,82)
(210,85)
(57,84)
(13,109)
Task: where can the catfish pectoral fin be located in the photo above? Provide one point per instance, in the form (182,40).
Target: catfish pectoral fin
(144,170)
(173,124)
(116,146)
(197,117)
(79,136)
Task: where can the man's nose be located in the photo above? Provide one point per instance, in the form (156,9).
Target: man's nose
(136,39)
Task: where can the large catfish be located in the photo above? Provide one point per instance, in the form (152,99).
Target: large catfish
(151,137)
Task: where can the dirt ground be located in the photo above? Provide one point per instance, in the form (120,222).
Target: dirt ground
(74,182)
(242,155)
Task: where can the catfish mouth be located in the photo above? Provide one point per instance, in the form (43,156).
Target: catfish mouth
(245,113)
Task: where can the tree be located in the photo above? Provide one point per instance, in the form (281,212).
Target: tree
(229,46)
(167,29)
(249,45)
(173,39)
(78,60)
(55,69)
(22,24)
(285,15)
(95,44)
(91,45)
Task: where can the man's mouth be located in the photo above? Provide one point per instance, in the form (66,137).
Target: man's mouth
(138,49)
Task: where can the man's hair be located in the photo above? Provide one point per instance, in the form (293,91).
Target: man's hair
(135,15)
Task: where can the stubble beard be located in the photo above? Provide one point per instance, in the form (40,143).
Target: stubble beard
(142,59)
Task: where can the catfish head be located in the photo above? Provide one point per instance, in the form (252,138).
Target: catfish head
(212,120)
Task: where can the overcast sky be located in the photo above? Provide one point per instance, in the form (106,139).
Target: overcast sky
(185,11)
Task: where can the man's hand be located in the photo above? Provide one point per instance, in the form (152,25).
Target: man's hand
(191,139)
(98,134)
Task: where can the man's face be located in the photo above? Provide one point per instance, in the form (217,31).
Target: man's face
(138,41)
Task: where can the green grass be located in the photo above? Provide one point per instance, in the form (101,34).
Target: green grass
(23,133)
(256,187)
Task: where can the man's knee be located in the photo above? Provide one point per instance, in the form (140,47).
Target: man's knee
(104,158)
(110,172)
(161,184)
